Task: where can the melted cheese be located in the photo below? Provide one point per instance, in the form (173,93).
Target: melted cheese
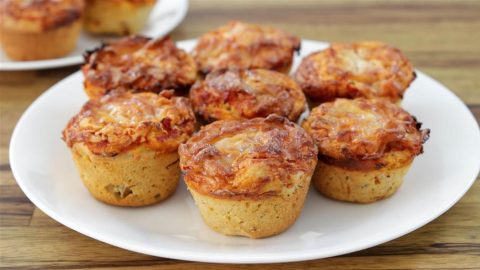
(246,94)
(251,158)
(139,64)
(350,70)
(119,121)
(363,129)
(239,45)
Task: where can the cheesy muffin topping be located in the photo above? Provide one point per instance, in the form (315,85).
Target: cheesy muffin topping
(239,45)
(247,159)
(120,121)
(39,15)
(350,70)
(139,64)
(363,129)
(247,94)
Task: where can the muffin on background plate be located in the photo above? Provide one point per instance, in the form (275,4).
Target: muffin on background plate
(118,17)
(351,70)
(366,147)
(39,29)
(139,64)
(249,177)
(240,45)
(245,94)
(125,145)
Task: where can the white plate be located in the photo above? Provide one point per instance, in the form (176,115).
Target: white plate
(45,171)
(165,16)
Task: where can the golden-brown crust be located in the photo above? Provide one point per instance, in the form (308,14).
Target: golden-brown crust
(26,46)
(250,217)
(246,94)
(252,159)
(357,133)
(39,15)
(350,70)
(140,64)
(137,177)
(121,121)
(359,186)
(239,45)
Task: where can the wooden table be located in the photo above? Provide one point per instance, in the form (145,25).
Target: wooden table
(441,38)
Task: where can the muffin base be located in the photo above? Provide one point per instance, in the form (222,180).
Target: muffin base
(54,43)
(254,218)
(135,178)
(356,185)
(112,17)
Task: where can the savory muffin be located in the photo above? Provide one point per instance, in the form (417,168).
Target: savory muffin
(125,145)
(240,45)
(249,177)
(366,147)
(350,70)
(39,29)
(245,94)
(119,17)
(139,64)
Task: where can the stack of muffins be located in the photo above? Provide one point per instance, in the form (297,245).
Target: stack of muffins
(250,165)
(44,29)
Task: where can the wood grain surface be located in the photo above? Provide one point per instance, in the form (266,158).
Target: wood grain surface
(442,38)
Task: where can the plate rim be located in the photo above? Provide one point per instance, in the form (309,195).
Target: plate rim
(265,257)
(71,60)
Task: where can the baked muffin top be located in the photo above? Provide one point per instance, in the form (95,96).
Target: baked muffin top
(244,94)
(139,64)
(350,70)
(253,158)
(120,121)
(39,15)
(362,129)
(240,45)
